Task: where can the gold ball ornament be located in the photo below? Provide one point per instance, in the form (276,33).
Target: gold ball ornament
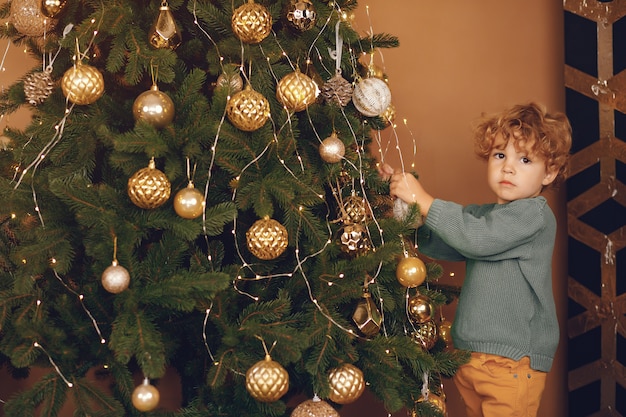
(189,202)
(145,396)
(248,110)
(27,18)
(346,384)
(154,107)
(354,210)
(434,401)
(411,271)
(296,91)
(267,239)
(426,335)
(314,408)
(301,14)
(354,239)
(445,332)
(52,8)
(420,308)
(115,278)
(251,22)
(149,188)
(371,96)
(231,80)
(82,84)
(332,149)
(267,380)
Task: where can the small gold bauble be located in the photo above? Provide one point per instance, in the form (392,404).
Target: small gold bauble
(267,239)
(52,8)
(314,408)
(267,380)
(354,239)
(82,84)
(436,401)
(231,80)
(296,91)
(371,96)
(301,14)
(115,278)
(251,22)
(411,271)
(366,316)
(145,397)
(420,308)
(154,107)
(354,210)
(426,335)
(189,202)
(445,332)
(346,384)
(149,188)
(332,149)
(27,18)
(248,110)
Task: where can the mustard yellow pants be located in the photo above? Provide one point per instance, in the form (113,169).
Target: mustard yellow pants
(495,386)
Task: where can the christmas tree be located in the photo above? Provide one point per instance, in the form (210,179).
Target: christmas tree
(198,190)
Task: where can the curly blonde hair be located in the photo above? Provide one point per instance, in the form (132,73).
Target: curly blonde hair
(548,135)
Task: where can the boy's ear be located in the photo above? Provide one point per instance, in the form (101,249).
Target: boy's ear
(551,173)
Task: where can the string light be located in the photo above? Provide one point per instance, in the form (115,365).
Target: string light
(58,371)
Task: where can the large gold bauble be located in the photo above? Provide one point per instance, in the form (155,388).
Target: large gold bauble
(267,380)
(366,316)
(115,278)
(251,22)
(436,401)
(248,110)
(300,14)
(314,408)
(52,8)
(82,84)
(371,96)
(154,107)
(411,271)
(426,335)
(420,308)
(189,202)
(267,239)
(332,149)
(354,239)
(145,397)
(296,91)
(354,210)
(28,19)
(346,384)
(149,188)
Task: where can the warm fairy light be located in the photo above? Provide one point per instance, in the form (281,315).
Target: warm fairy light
(341,275)
(23,261)
(452,274)
(39,302)
(13,215)
(330,283)
(53,261)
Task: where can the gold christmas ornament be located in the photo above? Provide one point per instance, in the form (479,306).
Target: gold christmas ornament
(420,308)
(300,14)
(411,271)
(154,107)
(337,90)
(314,408)
(267,239)
(52,8)
(371,96)
(189,202)
(389,115)
(251,22)
(248,110)
(435,401)
(27,18)
(296,91)
(332,149)
(149,188)
(230,79)
(366,316)
(426,335)
(354,239)
(346,384)
(38,86)
(164,33)
(354,210)
(267,380)
(445,332)
(82,84)
(115,278)
(145,396)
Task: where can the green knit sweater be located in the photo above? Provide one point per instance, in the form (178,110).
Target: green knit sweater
(506,306)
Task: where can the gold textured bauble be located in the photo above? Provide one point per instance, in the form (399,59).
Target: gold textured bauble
(189,202)
(314,408)
(426,335)
(420,308)
(149,188)
(300,14)
(445,332)
(145,397)
(354,210)
(411,271)
(332,149)
(354,239)
(248,110)
(38,86)
(154,107)
(366,316)
(28,19)
(164,33)
(52,8)
(82,84)
(267,239)
(296,91)
(267,380)
(337,90)
(346,384)
(371,96)
(231,80)
(251,22)
(115,278)
(435,401)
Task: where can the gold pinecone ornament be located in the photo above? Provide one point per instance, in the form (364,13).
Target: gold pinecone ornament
(38,86)
(267,380)
(337,90)
(296,91)
(248,110)
(149,188)
(251,22)
(346,384)
(82,84)
(27,18)
(267,239)
(315,407)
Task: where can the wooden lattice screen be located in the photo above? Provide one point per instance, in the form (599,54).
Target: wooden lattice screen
(595,80)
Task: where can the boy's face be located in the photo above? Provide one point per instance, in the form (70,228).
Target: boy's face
(513,174)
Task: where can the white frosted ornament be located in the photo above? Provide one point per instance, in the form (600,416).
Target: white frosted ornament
(145,396)
(28,19)
(371,96)
(115,278)
(332,149)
